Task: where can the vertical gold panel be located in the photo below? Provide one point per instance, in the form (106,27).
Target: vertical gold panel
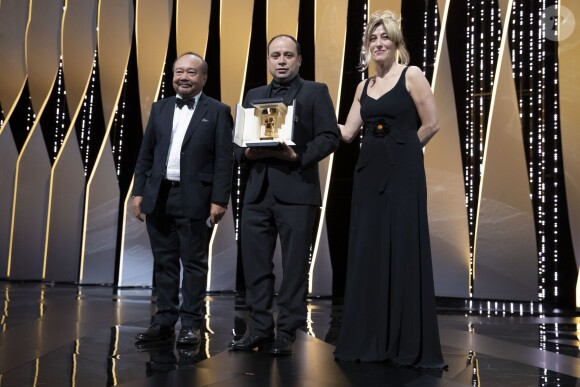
(79,41)
(43,49)
(505,253)
(235,31)
(151,48)
(330,36)
(193,25)
(102,197)
(569,84)
(31,191)
(382,5)
(448,224)
(67,181)
(115,25)
(281,18)
(13,26)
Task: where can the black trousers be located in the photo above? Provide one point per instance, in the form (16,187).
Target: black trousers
(176,239)
(262,222)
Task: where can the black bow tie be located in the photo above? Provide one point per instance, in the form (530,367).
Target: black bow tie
(278,89)
(190,103)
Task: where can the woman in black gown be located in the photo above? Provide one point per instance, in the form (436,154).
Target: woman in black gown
(389,305)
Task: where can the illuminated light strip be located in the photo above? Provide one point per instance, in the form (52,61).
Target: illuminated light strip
(57,151)
(309,325)
(123,224)
(75,363)
(87,112)
(468,147)
(86,123)
(118,122)
(536,150)
(5,310)
(114,354)
(208,329)
(362,73)
(555,122)
(425,40)
(41,304)
(36,371)
(238,201)
(210,255)
(208,316)
(540,151)
(517,48)
(555,171)
(475,115)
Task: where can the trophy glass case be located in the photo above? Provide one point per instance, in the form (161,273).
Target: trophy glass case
(266,124)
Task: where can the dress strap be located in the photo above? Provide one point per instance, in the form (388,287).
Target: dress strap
(364,91)
(402,77)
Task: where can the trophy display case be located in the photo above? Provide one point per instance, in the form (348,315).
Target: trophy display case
(266,124)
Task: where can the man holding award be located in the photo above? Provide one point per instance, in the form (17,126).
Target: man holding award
(282,195)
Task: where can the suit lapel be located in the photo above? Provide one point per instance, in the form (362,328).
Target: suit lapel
(198,114)
(267,91)
(292,91)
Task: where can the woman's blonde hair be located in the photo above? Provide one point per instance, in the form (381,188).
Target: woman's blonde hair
(392,25)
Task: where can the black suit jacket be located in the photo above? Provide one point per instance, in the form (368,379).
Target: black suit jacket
(206,157)
(315,136)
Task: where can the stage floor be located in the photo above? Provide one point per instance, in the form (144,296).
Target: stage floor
(64,335)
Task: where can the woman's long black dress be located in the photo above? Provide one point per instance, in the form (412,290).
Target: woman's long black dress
(389,304)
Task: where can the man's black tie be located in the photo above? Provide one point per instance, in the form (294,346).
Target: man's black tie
(190,103)
(279,89)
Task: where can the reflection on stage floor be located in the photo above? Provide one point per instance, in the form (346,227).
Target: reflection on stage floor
(65,335)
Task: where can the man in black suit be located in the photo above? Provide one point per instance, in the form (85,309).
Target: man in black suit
(182,184)
(282,198)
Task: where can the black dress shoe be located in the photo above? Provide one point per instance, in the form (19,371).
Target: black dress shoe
(189,336)
(156,332)
(251,342)
(283,346)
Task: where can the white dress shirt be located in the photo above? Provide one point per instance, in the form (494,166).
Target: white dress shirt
(181,118)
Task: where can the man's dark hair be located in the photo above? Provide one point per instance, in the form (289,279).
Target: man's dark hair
(204,63)
(286,36)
